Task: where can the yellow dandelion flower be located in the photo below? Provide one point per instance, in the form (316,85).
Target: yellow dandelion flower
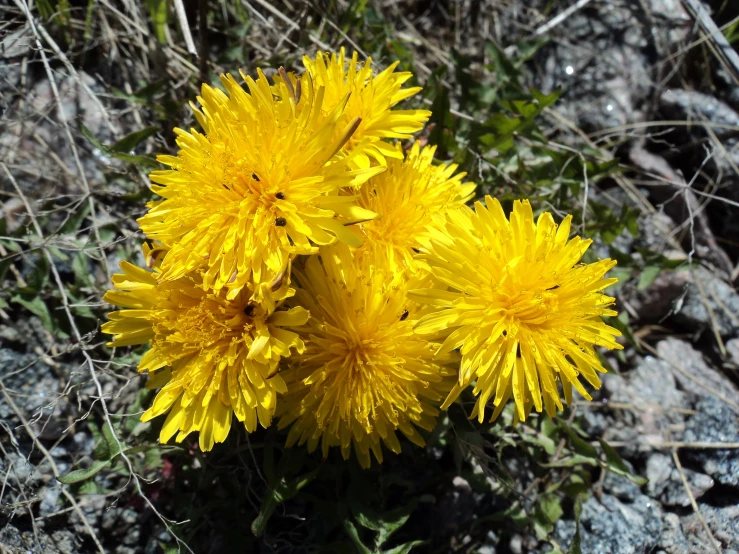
(521,307)
(364,373)
(212,357)
(409,197)
(372,99)
(259,185)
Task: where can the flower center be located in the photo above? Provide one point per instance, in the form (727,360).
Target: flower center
(531,307)
(203,323)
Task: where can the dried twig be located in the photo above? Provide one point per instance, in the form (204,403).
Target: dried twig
(55,90)
(52,463)
(693,503)
(89,362)
(557,19)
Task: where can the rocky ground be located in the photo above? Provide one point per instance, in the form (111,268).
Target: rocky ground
(643,85)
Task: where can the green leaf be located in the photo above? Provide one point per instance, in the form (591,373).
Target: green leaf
(72,225)
(576,485)
(80,475)
(144,95)
(575,546)
(129,142)
(38,278)
(45,9)
(121,149)
(647,276)
(101,450)
(110,439)
(617,465)
(549,506)
(285,490)
(441,121)
(37,307)
(404,548)
(506,72)
(394,520)
(158,12)
(572,461)
(580,446)
(90,487)
(93,139)
(549,446)
(354,536)
(81,270)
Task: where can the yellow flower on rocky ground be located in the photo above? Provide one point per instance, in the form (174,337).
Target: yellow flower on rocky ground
(364,373)
(259,186)
(372,97)
(212,357)
(410,196)
(524,311)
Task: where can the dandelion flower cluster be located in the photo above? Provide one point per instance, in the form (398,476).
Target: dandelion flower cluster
(302,265)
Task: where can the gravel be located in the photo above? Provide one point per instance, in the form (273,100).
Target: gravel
(609,525)
(715,422)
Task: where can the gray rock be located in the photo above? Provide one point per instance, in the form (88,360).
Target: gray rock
(650,403)
(672,22)
(93,508)
(659,472)
(621,487)
(594,422)
(673,539)
(674,494)
(653,232)
(666,485)
(607,79)
(16,44)
(710,296)
(610,525)
(714,422)
(655,303)
(49,498)
(691,104)
(732,347)
(66,541)
(723,523)
(684,359)
(690,299)
(32,383)
(16,541)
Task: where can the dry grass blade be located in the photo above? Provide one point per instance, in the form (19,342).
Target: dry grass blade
(52,464)
(724,51)
(101,395)
(185,27)
(693,503)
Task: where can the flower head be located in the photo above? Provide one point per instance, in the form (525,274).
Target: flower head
(409,197)
(364,374)
(372,99)
(259,186)
(213,357)
(520,306)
